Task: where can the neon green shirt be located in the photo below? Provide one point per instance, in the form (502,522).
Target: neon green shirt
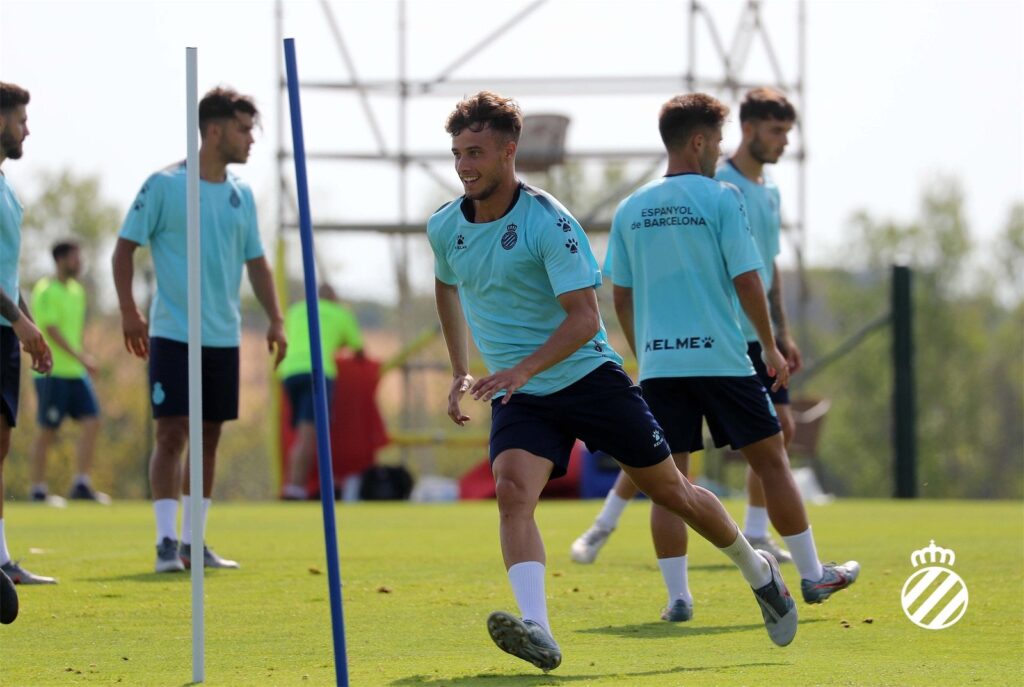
(338,328)
(61,304)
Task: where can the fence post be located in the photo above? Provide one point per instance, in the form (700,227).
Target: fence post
(904,412)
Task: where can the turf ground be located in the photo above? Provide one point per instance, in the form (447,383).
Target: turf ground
(419,582)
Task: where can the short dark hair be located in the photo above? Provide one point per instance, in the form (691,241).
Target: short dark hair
(766,103)
(11,96)
(224,103)
(683,114)
(486,109)
(62,248)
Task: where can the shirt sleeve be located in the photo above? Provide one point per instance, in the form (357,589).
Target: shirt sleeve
(143,219)
(42,305)
(565,251)
(442,268)
(616,262)
(253,242)
(737,243)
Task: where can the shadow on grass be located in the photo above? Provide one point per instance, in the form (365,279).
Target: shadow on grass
(150,577)
(493,679)
(663,629)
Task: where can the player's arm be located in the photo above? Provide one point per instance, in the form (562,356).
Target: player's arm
(751,294)
(25,329)
(133,323)
(581,324)
(778,315)
(456,339)
(622,297)
(262,280)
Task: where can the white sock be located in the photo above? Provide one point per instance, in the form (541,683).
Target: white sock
(82,478)
(755,569)
(755,525)
(805,555)
(610,513)
(166,511)
(186,520)
(527,580)
(673,571)
(5,555)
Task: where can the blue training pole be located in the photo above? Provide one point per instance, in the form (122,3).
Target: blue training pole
(319,385)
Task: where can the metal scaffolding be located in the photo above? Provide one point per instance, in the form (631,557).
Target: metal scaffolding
(732,60)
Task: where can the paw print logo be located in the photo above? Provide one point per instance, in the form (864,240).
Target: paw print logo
(564,225)
(572,245)
(707,342)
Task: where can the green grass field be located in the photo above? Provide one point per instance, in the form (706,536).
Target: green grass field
(419,581)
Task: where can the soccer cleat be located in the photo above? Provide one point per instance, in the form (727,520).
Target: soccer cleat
(8,600)
(210,559)
(19,575)
(766,543)
(834,579)
(678,612)
(49,499)
(83,492)
(524,639)
(585,548)
(167,556)
(777,607)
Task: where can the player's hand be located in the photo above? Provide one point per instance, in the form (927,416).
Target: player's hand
(793,355)
(777,367)
(277,341)
(34,344)
(460,385)
(509,380)
(136,333)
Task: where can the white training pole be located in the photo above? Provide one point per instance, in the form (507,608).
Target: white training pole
(195,361)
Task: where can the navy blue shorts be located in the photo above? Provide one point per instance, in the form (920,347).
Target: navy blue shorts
(604,409)
(168,380)
(300,396)
(738,410)
(60,397)
(10,374)
(780,397)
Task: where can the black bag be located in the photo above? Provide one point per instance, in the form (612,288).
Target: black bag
(385,483)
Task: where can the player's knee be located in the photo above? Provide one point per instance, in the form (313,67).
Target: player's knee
(513,496)
(172,435)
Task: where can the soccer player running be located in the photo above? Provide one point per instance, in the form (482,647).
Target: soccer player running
(516,267)
(59,307)
(680,255)
(338,329)
(230,240)
(766,117)
(17,329)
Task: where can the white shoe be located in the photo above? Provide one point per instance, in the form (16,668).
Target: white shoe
(585,548)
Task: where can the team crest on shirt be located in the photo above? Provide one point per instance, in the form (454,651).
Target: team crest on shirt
(235,199)
(509,238)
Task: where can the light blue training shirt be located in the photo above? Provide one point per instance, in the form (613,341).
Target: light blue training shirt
(762,201)
(229,237)
(10,241)
(678,242)
(509,273)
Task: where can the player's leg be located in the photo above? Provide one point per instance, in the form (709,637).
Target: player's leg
(84,408)
(669,535)
(171,436)
(220,404)
(300,459)
(588,544)
(789,516)
(519,477)
(48,420)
